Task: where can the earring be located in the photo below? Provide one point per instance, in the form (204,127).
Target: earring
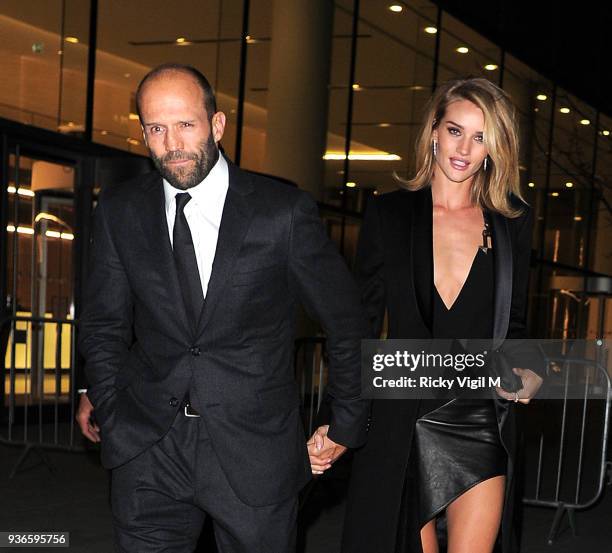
(435,148)
(486,159)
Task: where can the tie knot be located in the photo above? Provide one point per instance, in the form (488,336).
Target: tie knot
(181,200)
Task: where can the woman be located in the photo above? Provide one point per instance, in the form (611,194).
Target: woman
(447,257)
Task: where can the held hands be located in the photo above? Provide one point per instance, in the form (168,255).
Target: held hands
(322,450)
(84,419)
(531,384)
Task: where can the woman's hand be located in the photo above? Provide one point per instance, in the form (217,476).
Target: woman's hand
(531,384)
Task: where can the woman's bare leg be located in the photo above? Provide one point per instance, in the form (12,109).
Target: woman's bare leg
(474,517)
(429,539)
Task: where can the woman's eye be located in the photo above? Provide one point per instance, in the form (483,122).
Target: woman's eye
(453,131)
(479,139)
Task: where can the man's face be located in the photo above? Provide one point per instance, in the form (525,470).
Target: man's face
(181,139)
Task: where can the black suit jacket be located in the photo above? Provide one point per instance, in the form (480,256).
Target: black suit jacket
(142,356)
(394,266)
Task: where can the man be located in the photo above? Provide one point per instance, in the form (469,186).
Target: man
(187,332)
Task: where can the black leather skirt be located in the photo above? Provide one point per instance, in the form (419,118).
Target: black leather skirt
(456,446)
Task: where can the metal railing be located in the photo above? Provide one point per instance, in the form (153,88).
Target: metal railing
(571,441)
(38,385)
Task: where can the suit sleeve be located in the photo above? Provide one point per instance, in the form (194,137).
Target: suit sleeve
(368,269)
(105,328)
(524,354)
(328,291)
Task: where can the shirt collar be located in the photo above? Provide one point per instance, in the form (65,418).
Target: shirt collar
(214,185)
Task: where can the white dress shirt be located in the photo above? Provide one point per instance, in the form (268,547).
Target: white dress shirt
(203,213)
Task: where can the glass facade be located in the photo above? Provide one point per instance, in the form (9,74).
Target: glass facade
(383,60)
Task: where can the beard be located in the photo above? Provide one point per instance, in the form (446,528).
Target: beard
(183,178)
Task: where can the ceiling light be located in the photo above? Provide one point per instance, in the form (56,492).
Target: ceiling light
(356,86)
(351,184)
(585,122)
(72,39)
(133,141)
(531,185)
(384,125)
(396,8)
(564,110)
(542,97)
(605,133)
(463,49)
(431,30)
(491,67)
(133,117)
(378,156)
(180,40)
(554,194)
(569,184)
(577,218)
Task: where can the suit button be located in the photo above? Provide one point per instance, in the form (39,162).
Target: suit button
(173,402)
(195,351)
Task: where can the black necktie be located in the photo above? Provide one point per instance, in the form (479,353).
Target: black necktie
(186,263)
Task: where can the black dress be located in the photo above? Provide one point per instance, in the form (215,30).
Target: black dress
(447,430)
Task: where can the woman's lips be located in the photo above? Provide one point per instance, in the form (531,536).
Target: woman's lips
(459,164)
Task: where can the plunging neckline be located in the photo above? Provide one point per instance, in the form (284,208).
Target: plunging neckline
(463,286)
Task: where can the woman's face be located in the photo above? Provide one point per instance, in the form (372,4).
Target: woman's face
(461,149)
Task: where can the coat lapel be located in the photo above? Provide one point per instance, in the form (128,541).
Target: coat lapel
(421,253)
(152,217)
(502,249)
(237,213)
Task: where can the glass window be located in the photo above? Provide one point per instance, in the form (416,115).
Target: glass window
(43,57)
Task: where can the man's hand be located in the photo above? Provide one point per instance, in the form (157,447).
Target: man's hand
(322,450)
(84,418)
(531,385)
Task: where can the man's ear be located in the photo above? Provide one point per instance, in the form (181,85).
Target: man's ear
(217,125)
(144,135)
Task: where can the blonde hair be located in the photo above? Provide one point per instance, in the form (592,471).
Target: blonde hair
(491,188)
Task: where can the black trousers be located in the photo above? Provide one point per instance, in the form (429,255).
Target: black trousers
(160,500)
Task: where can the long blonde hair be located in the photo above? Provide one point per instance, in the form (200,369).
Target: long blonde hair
(491,188)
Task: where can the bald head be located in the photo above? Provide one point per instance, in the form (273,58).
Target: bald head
(172,71)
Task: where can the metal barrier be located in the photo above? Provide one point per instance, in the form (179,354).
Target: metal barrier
(563,441)
(38,381)
(311,374)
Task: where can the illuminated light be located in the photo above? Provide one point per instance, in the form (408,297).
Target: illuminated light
(417,87)
(133,117)
(356,86)
(605,133)
(127,75)
(577,218)
(585,122)
(531,184)
(133,141)
(103,133)
(431,30)
(564,110)
(72,39)
(375,192)
(384,125)
(396,8)
(60,52)
(362,157)
(53,234)
(569,184)
(542,97)
(20,230)
(351,184)
(554,194)
(181,40)
(491,67)
(67,236)
(10,228)
(462,50)
(22,191)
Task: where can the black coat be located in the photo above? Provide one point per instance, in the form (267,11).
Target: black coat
(394,266)
(142,356)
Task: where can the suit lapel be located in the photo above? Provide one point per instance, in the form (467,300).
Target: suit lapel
(502,249)
(421,253)
(152,217)
(237,213)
